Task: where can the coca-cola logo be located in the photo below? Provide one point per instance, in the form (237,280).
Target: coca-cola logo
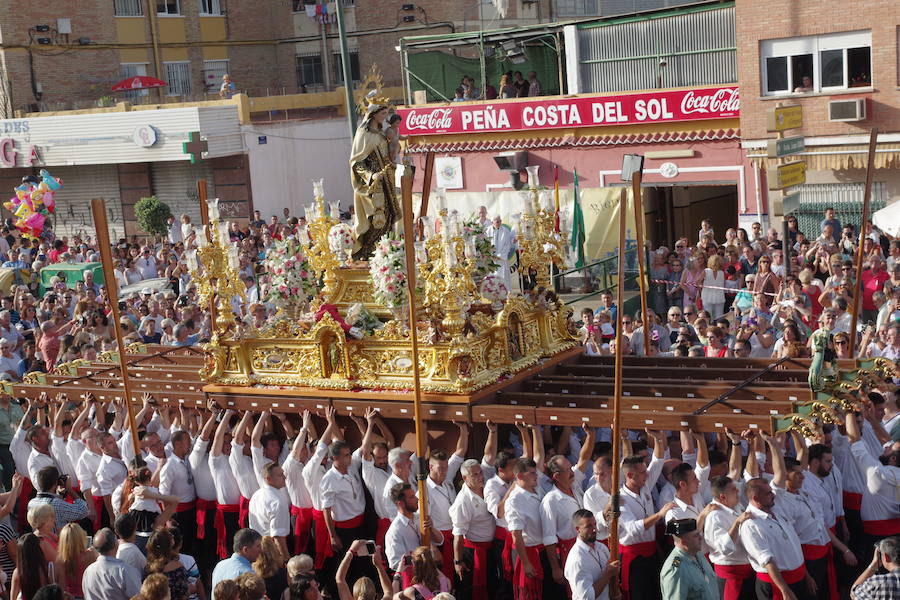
(724,100)
(437,119)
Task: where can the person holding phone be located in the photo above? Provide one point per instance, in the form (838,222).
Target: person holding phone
(872,585)
(363,588)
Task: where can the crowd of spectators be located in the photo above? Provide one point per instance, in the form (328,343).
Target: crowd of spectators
(740,294)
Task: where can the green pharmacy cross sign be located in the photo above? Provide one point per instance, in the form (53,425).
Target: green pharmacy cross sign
(195,147)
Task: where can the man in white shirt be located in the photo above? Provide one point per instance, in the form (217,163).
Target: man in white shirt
(205,550)
(597,497)
(86,470)
(473,536)
(110,475)
(772,546)
(504,241)
(637,523)
(496,492)
(400,463)
(403,536)
(588,568)
(343,505)
(313,472)
(270,508)
(441,493)
(146,264)
(374,457)
(720,533)
(228,494)
(128,552)
(558,506)
(177,479)
(301,502)
(242,467)
(688,500)
(523,518)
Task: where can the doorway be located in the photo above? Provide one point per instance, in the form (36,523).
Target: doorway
(675,211)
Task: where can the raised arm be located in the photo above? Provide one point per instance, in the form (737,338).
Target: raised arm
(208,426)
(734,457)
(702,450)
(260,428)
(778,469)
(386,433)
(587,448)
(241,430)
(59,415)
(525,434)
(490,446)
(300,440)
(462,442)
(537,439)
(366,447)
(800,448)
(221,429)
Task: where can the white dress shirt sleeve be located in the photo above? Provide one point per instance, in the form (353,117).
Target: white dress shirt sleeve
(515,520)
(548,522)
(654,471)
(716,534)
(259,461)
(880,479)
(197,457)
(460,515)
(755,542)
(329,492)
(453,464)
(631,523)
(279,518)
(166,479)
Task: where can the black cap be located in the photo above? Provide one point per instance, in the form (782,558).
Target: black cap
(679,527)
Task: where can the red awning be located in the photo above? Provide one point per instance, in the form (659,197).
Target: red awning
(138,82)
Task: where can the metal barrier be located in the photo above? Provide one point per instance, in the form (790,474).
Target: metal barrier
(599,276)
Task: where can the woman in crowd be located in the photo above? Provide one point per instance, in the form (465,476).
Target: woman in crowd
(190,565)
(270,566)
(715,346)
(163,558)
(713,293)
(427,580)
(73,558)
(766,283)
(42,519)
(659,273)
(156,587)
(691,280)
(674,293)
(33,571)
(790,344)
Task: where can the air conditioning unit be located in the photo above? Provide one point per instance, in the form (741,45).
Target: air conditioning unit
(847,110)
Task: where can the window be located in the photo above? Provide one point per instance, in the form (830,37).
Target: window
(577,8)
(167,7)
(210,7)
(336,63)
(133,70)
(178,78)
(212,74)
(309,70)
(817,63)
(129,8)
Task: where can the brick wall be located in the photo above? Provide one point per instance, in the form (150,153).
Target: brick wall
(773,19)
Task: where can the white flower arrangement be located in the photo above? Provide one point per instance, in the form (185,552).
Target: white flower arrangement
(484,247)
(387,268)
(340,241)
(292,279)
(494,290)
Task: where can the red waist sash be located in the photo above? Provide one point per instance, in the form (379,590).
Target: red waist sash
(628,554)
(24,497)
(479,568)
(563,547)
(790,577)
(525,587)
(447,552)
(302,523)
(202,507)
(883,527)
(852,500)
(99,508)
(353,523)
(243,512)
(734,576)
(219,524)
(811,552)
(381,531)
(323,541)
(501,533)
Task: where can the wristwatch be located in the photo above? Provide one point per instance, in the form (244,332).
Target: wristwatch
(457,562)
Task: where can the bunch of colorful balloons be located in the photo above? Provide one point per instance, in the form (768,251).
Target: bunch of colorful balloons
(33,202)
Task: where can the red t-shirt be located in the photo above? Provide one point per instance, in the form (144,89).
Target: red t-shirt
(872,283)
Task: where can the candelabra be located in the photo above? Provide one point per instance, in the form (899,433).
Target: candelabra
(540,244)
(215,267)
(319,224)
(446,263)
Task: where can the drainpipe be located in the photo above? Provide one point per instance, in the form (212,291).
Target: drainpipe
(150,7)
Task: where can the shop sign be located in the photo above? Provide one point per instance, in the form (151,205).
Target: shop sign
(791,204)
(567,113)
(9,153)
(787,175)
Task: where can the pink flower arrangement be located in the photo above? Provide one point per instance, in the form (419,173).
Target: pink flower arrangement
(387,267)
(493,289)
(293,280)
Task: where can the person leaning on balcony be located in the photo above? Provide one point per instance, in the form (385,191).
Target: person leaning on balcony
(228,88)
(805,86)
(507,89)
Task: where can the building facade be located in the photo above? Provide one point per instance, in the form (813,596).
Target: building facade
(841,67)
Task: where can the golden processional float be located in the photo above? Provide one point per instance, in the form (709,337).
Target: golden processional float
(342,325)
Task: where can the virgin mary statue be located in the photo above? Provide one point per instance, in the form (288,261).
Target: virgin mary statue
(374,198)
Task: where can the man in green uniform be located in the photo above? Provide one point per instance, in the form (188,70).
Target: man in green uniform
(686,574)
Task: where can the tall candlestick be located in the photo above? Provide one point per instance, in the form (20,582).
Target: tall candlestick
(533,175)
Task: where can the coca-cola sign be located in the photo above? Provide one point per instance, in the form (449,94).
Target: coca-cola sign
(566,113)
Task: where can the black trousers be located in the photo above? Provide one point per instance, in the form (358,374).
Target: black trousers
(503,589)
(764,590)
(818,570)
(551,588)
(8,465)
(464,586)
(207,556)
(643,578)
(231,527)
(360,566)
(187,523)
